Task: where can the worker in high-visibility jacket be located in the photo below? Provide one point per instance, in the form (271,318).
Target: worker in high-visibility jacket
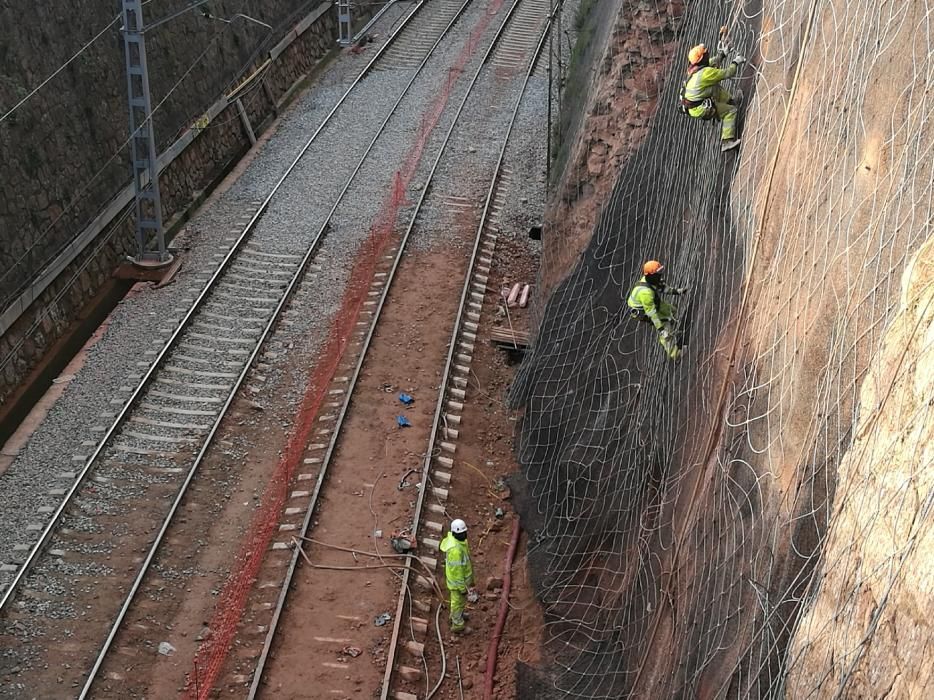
(703,97)
(645,304)
(458,571)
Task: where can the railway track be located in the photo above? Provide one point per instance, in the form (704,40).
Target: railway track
(322,460)
(120,504)
(415,602)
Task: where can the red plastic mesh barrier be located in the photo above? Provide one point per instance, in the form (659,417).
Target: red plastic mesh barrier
(211,656)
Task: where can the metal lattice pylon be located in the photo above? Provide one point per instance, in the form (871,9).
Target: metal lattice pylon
(150,238)
(344,28)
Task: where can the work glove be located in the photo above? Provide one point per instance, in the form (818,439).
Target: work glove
(680,290)
(472,595)
(664,334)
(739,59)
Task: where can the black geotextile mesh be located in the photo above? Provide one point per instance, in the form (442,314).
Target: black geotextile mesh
(603,405)
(534,684)
(676,511)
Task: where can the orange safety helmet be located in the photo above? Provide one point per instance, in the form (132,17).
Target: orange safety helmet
(652,267)
(696,55)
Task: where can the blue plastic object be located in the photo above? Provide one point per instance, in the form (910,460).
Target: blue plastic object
(403,422)
(406,399)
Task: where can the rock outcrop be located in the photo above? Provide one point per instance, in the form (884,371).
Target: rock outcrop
(629,74)
(869,628)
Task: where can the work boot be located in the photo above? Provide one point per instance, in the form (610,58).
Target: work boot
(460,631)
(728,145)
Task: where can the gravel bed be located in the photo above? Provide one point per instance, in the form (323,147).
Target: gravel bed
(467,166)
(292,221)
(49,575)
(525,154)
(209,403)
(360,203)
(50,609)
(80,524)
(130,478)
(85,547)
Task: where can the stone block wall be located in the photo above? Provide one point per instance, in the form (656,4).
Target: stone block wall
(56,142)
(63,150)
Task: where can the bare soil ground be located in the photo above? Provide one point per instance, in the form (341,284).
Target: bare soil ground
(485,455)
(330,613)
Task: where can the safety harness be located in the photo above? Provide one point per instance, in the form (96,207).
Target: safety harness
(639,314)
(710,109)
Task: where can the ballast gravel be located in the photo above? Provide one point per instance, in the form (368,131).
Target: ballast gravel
(145,318)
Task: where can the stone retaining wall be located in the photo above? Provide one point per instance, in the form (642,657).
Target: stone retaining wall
(207,157)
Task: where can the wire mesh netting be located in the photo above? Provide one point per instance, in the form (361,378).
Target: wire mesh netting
(751,521)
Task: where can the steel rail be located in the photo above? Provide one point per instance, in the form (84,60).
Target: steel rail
(391,114)
(373,20)
(284,299)
(452,350)
(336,433)
(118,421)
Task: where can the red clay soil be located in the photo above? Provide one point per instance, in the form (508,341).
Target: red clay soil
(617,122)
(485,454)
(327,640)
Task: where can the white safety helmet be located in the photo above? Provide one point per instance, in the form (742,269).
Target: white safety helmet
(458,526)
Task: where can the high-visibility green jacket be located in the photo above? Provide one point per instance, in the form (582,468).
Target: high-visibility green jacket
(457,567)
(703,82)
(644,298)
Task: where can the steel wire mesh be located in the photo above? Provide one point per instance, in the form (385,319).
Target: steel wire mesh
(705,528)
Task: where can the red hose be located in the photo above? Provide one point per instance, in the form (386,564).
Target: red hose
(503,611)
